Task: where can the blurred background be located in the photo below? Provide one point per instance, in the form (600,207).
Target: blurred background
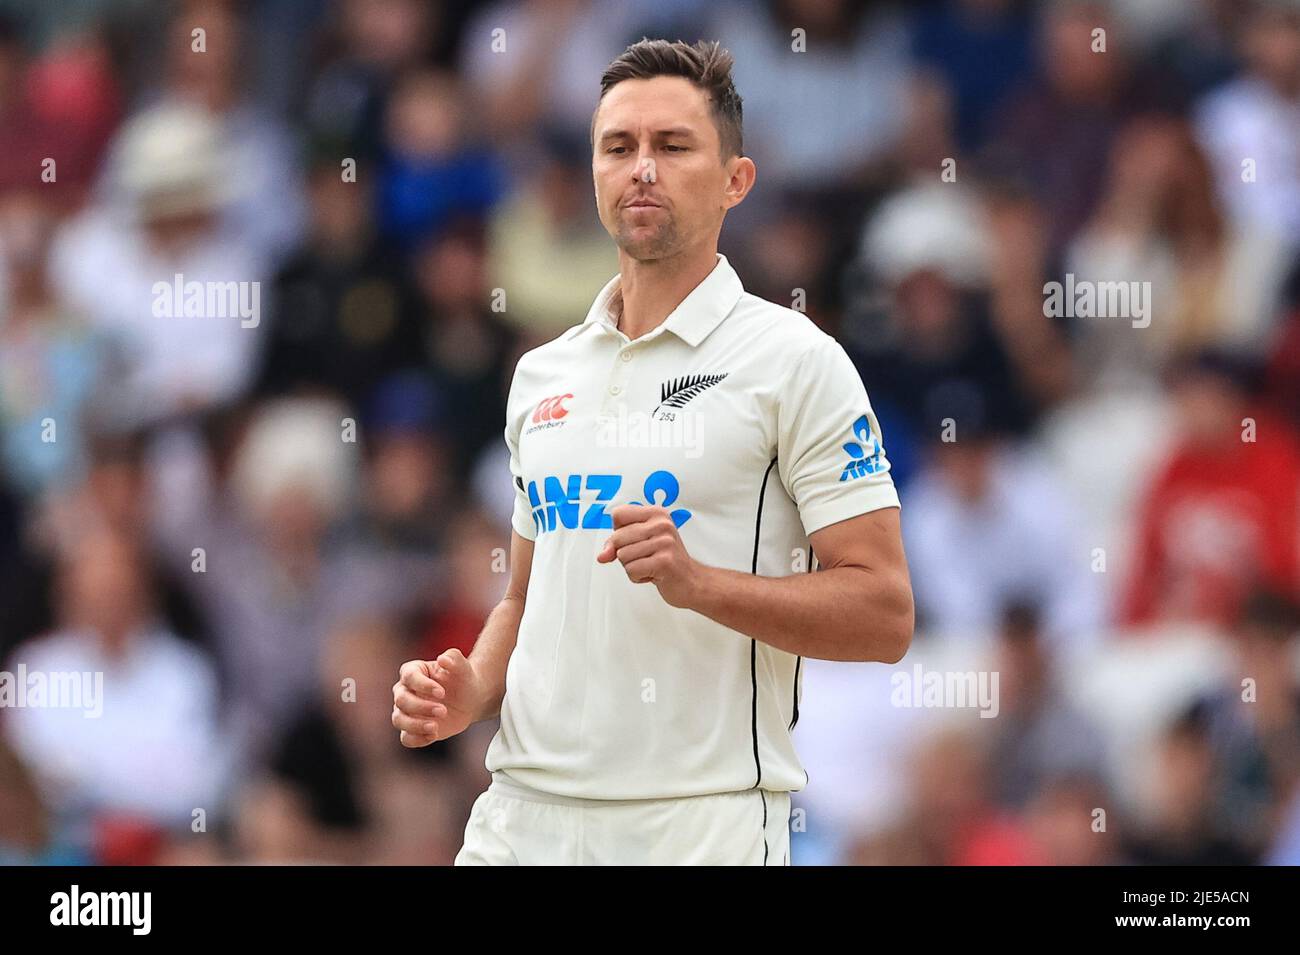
(1115,532)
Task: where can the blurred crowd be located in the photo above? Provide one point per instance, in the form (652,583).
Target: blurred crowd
(247,526)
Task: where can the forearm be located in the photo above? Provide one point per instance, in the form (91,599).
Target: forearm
(491,653)
(837,613)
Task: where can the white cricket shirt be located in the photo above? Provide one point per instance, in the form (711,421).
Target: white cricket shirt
(753,427)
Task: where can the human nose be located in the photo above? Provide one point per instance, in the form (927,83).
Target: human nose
(644,171)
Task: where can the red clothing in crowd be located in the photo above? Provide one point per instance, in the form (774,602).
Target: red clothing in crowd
(1217,523)
(452,626)
(995,840)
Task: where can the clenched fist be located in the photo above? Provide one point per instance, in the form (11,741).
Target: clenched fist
(435,699)
(646,543)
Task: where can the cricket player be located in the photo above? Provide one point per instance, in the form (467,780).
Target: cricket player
(681,460)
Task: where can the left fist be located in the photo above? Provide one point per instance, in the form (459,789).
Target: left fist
(646,542)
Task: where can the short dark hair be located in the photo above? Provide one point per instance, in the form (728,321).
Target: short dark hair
(705,63)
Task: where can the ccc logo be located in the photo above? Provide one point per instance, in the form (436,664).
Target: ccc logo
(551,409)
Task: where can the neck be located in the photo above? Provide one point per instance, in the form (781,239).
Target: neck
(650,290)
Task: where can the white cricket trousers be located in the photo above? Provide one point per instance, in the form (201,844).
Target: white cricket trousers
(514,825)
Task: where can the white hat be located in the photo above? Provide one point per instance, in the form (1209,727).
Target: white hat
(295,444)
(939,227)
(171,160)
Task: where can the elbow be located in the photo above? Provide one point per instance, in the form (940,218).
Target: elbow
(893,637)
(895,645)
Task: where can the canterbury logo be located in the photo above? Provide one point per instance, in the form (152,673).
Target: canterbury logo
(551,409)
(678,391)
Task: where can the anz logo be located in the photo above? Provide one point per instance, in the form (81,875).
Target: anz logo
(860,461)
(559,506)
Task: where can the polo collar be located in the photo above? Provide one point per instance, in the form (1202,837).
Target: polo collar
(698,314)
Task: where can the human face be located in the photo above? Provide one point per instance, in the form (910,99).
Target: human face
(661,184)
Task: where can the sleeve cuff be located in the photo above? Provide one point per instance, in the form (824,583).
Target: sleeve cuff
(524,526)
(866,500)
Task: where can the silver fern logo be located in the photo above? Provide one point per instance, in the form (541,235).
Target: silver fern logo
(675,392)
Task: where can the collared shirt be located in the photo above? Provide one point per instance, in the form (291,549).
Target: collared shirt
(752,426)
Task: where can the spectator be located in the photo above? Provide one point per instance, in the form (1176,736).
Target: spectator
(930,249)
(1185,829)
(842,139)
(1056,132)
(431,172)
(117,266)
(374,42)
(548,252)
(1213,282)
(49,362)
(981,50)
(266,209)
(114,496)
(465,347)
(951,820)
(1254,721)
(110,759)
(277,575)
(1220,517)
(982,495)
(1040,736)
(342,310)
(1255,119)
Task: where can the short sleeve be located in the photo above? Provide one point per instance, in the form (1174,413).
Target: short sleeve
(521,519)
(830,450)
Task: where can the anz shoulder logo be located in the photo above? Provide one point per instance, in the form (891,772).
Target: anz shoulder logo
(559,505)
(865,458)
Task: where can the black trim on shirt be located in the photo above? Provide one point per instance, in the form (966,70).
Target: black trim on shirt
(753,644)
(798,663)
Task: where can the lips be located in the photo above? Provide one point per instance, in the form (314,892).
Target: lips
(643,204)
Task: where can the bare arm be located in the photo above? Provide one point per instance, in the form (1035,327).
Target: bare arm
(435,699)
(857,607)
(496,642)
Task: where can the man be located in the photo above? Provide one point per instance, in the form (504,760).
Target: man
(712,444)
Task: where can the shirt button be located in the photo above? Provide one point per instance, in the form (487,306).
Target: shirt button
(627,356)
(614,389)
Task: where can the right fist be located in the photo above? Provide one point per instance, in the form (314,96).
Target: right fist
(434,699)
